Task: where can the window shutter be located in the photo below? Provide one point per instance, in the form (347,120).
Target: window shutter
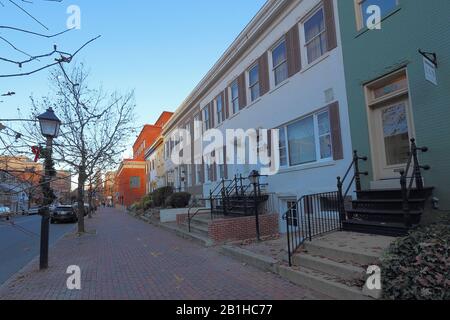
(335,121)
(242,91)
(211,115)
(264,84)
(330,24)
(293,50)
(270,154)
(226,103)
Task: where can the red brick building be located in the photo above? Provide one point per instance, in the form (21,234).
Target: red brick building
(131,176)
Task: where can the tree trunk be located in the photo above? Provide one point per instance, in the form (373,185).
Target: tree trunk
(91,207)
(81,182)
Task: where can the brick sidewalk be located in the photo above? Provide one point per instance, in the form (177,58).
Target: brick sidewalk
(129,259)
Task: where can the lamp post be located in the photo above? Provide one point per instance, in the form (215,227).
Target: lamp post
(49,124)
(254,179)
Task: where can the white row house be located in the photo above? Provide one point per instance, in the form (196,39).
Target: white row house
(284,71)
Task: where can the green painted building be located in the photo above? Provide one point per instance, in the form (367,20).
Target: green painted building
(392,96)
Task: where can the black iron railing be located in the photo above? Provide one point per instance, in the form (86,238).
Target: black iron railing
(413,161)
(313,215)
(356,178)
(192,215)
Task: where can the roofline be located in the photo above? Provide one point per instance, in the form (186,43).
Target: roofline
(154,146)
(264,17)
(142,132)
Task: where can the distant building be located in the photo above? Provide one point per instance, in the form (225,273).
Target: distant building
(13,193)
(108,188)
(62,186)
(131,179)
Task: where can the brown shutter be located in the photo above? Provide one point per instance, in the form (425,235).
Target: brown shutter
(264,84)
(270,154)
(330,24)
(335,121)
(293,50)
(211,114)
(226,103)
(242,91)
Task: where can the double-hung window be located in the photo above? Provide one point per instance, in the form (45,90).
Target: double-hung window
(198,174)
(235,96)
(197,127)
(279,61)
(206,122)
(306,140)
(315,36)
(253,76)
(135,182)
(220,111)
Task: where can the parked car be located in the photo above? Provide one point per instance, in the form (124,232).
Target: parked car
(33,211)
(64,214)
(86,208)
(5,212)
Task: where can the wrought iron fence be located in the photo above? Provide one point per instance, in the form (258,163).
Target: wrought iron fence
(312,216)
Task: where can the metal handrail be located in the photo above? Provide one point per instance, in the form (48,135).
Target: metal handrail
(356,178)
(413,160)
(193,216)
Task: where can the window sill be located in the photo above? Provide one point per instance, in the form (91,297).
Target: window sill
(309,166)
(251,104)
(282,84)
(315,62)
(363,30)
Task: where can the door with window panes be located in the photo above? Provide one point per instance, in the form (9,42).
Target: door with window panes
(390,122)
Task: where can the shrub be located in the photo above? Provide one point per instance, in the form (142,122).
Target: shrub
(179,200)
(160,195)
(146,202)
(418,267)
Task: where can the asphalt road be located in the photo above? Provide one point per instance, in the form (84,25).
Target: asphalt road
(19,244)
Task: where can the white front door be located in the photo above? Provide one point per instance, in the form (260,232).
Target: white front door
(392,135)
(391,128)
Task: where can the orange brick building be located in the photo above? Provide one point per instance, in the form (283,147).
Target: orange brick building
(131,176)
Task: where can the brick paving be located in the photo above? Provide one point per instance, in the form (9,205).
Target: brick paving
(126,258)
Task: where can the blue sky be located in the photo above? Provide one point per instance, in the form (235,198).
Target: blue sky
(161,48)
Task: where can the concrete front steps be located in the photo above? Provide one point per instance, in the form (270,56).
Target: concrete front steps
(335,265)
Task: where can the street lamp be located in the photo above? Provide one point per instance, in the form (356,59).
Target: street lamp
(49,124)
(254,180)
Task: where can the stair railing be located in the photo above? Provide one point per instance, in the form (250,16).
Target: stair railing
(413,161)
(192,215)
(311,216)
(356,178)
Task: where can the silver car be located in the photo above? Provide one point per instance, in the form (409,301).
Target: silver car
(5,212)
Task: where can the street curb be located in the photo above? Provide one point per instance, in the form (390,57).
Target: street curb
(258,261)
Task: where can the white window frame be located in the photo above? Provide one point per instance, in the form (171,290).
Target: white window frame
(323,32)
(235,99)
(315,115)
(219,116)
(275,67)
(251,86)
(206,120)
(198,129)
(189,175)
(198,169)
